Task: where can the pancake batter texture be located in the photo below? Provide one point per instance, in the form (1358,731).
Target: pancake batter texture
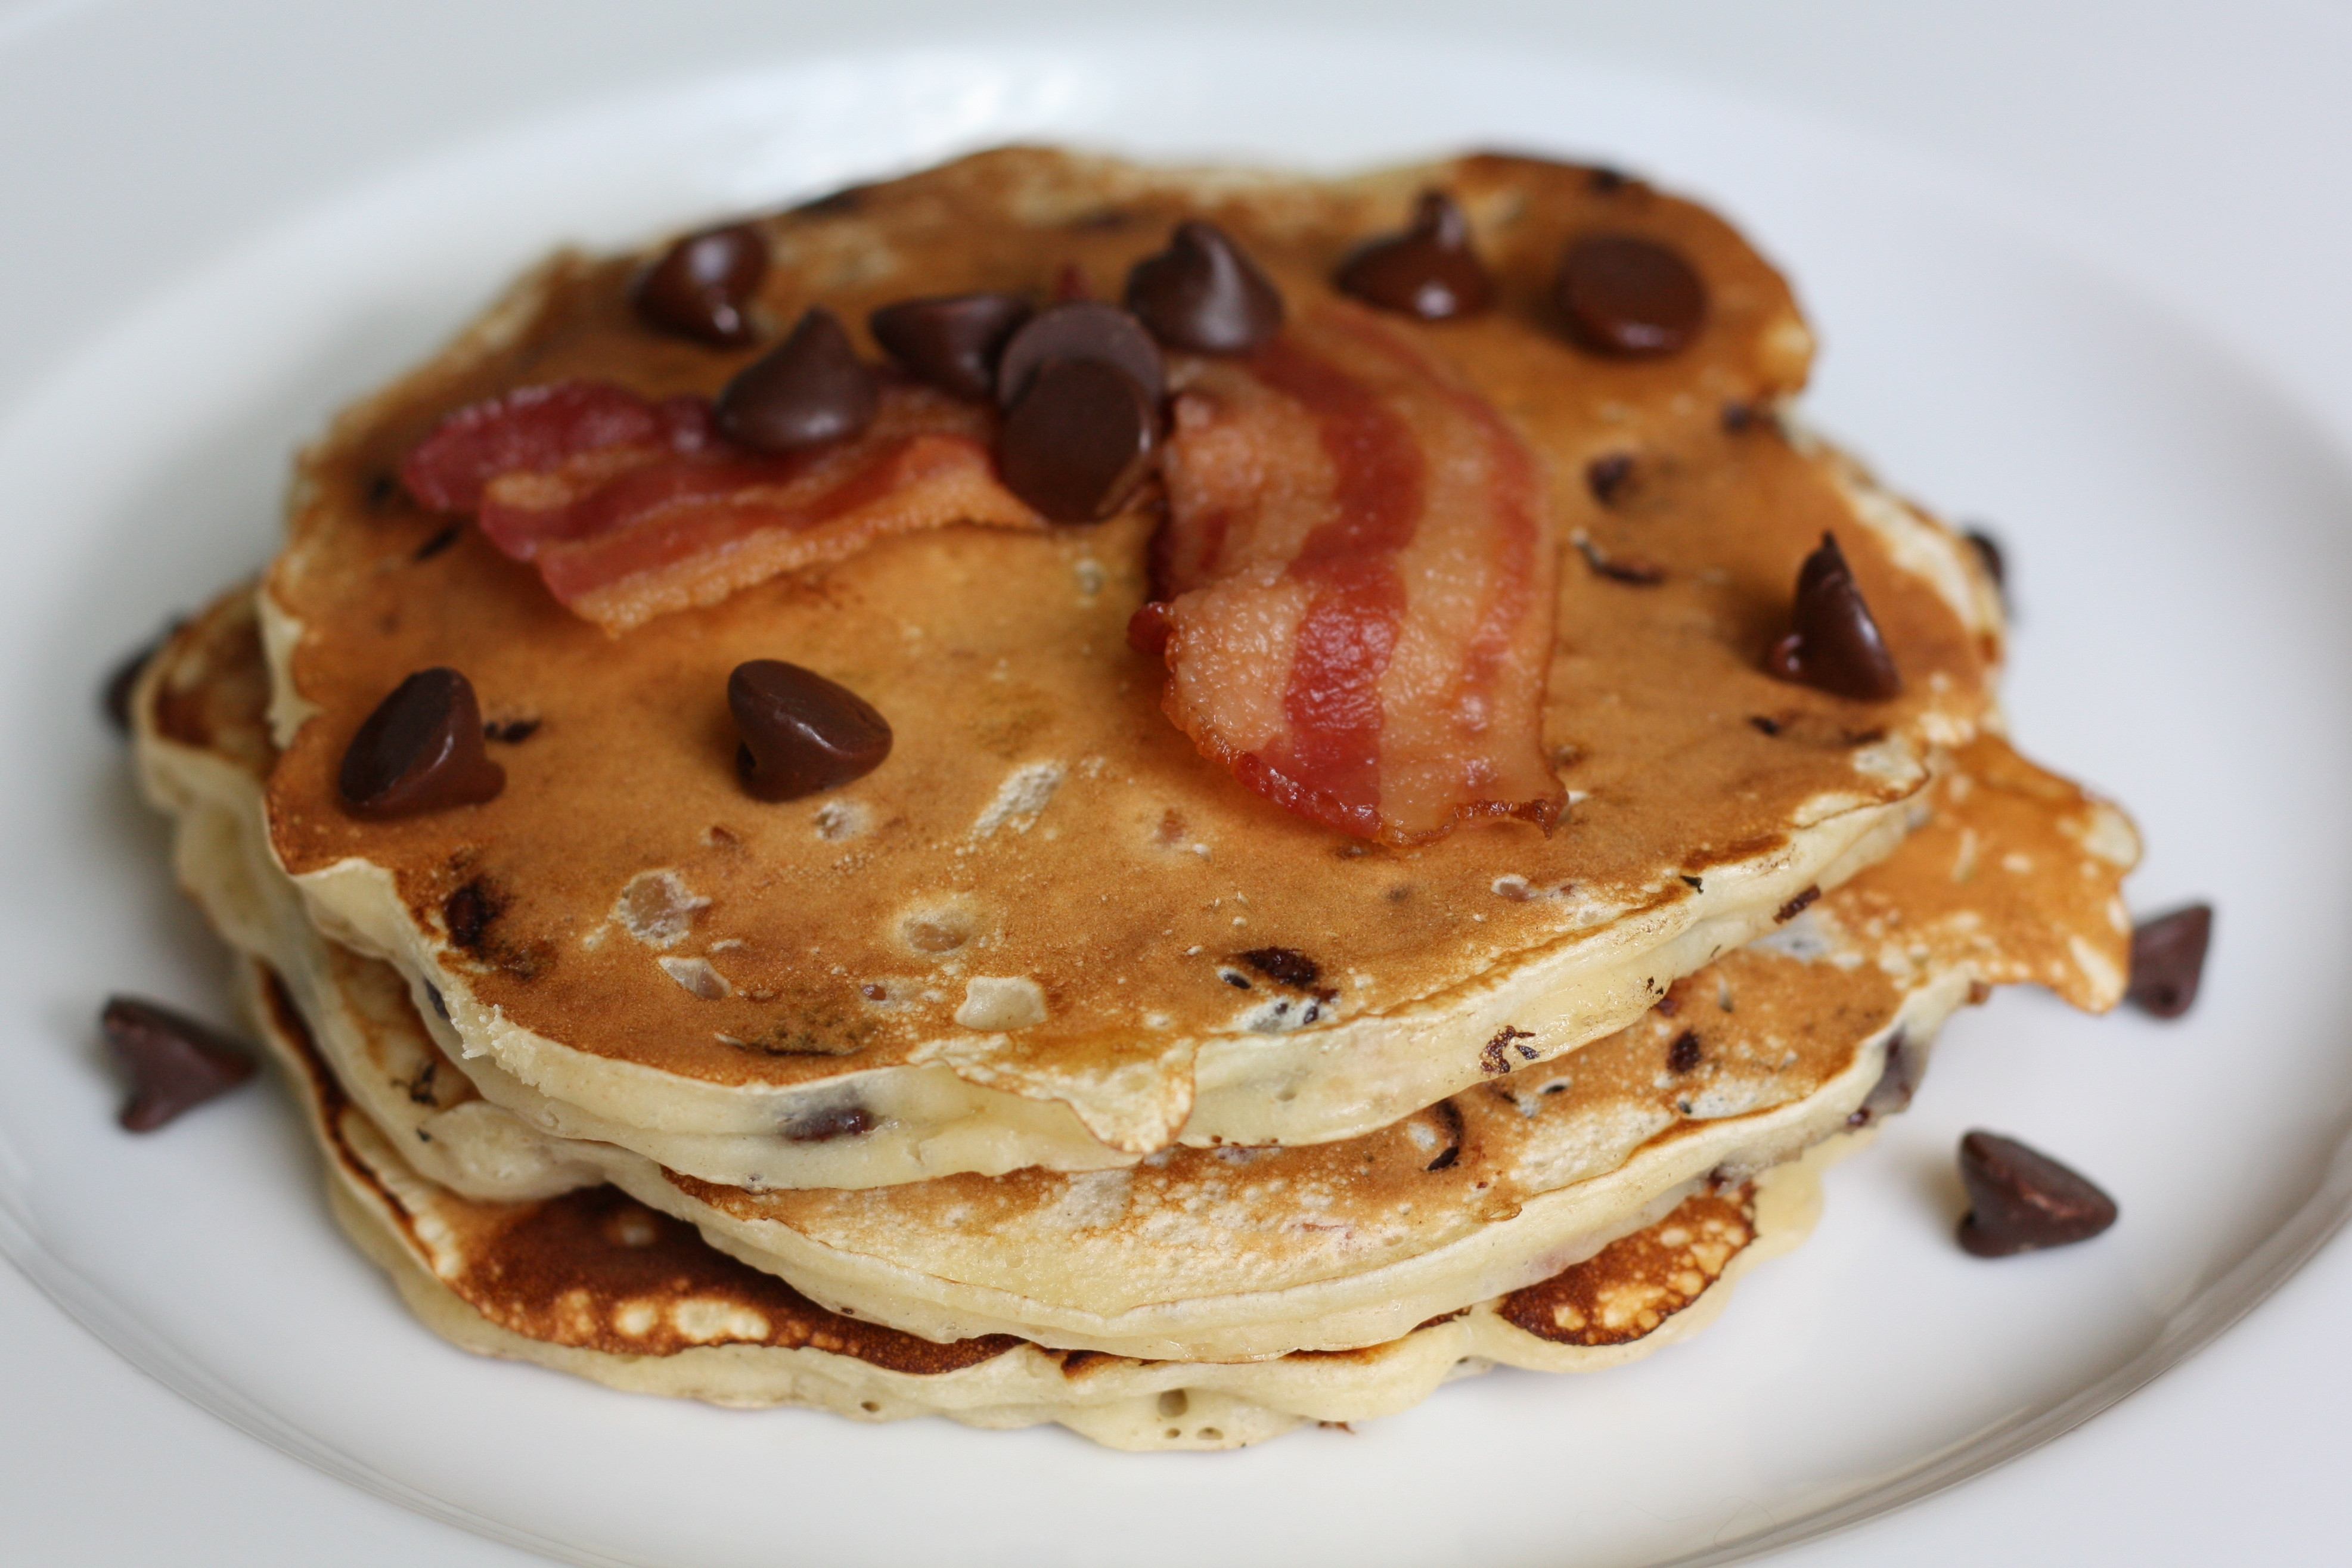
(826,816)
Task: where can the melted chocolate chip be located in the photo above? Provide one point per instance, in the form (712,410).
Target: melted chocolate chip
(437,543)
(1685,1054)
(1606,476)
(951,341)
(1080,441)
(811,390)
(700,285)
(1988,550)
(114,693)
(1429,271)
(421,750)
(2168,961)
(467,915)
(823,1126)
(1202,294)
(801,732)
(1080,329)
(1796,906)
(2021,1200)
(1897,1080)
(1449,1116)
(1836,646)
(513,732)
(175,1063)
(1629,296)
(1284,965)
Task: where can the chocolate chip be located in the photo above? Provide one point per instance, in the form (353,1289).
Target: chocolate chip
(383,492)
(824,1125)
(175,1063)
(951,341)
(1629,296)
(1080,329)
(1284,965)
(1202,294)
(1898,1080)
(1738,416)
(1493,1060)
(811,389)
(1606,476)
(513,732)
(1764,726)
(801,732)
(1988,550)
(114,693)
(420,751)
(1449,1116)
(1080,441)
(437,543)
(1604,181)
(1796,906)
(1429,271)
(1836,646)
(2021,1200)
(700,285)
(467,915)
(2168,961)
(1685,1054)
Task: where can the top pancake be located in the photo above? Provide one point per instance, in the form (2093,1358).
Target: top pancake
(625,932)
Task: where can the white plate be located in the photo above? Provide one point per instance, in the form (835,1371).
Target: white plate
(246,213)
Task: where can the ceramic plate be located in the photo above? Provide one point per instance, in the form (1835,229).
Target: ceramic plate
(2172,504)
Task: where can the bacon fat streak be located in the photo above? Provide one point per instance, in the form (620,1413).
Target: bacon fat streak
(1357,585)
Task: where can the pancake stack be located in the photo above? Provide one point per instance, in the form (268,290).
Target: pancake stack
(1059,1067)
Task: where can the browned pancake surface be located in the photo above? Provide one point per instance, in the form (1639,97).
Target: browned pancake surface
(845,925)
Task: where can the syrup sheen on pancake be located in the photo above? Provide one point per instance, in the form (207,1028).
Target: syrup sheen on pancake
(1015,944)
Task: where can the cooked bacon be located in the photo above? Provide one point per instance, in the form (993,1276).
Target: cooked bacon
(1356,585)
(631,509)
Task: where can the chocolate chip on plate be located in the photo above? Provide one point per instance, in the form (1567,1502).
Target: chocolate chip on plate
(1629,296)
(699,286)
(1080,441)
(2168,961)
(811,389)
(1202,294)
(421,750)
(1429,271)
(175,1063)
(1080,329)
(801,732)
(951,341)
(114,695)
(2021,1200)
(1836,646)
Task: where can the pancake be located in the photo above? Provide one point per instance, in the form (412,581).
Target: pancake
(1025,940)
(1232,1252)
(594,1284)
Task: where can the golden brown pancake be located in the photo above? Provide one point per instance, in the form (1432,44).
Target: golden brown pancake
(1230,1252)
(595,1284)
(1024,939)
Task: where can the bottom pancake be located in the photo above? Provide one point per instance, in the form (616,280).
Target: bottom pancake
(591,1283)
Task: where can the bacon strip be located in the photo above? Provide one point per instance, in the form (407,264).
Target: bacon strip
(1356,585)
(631,509)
